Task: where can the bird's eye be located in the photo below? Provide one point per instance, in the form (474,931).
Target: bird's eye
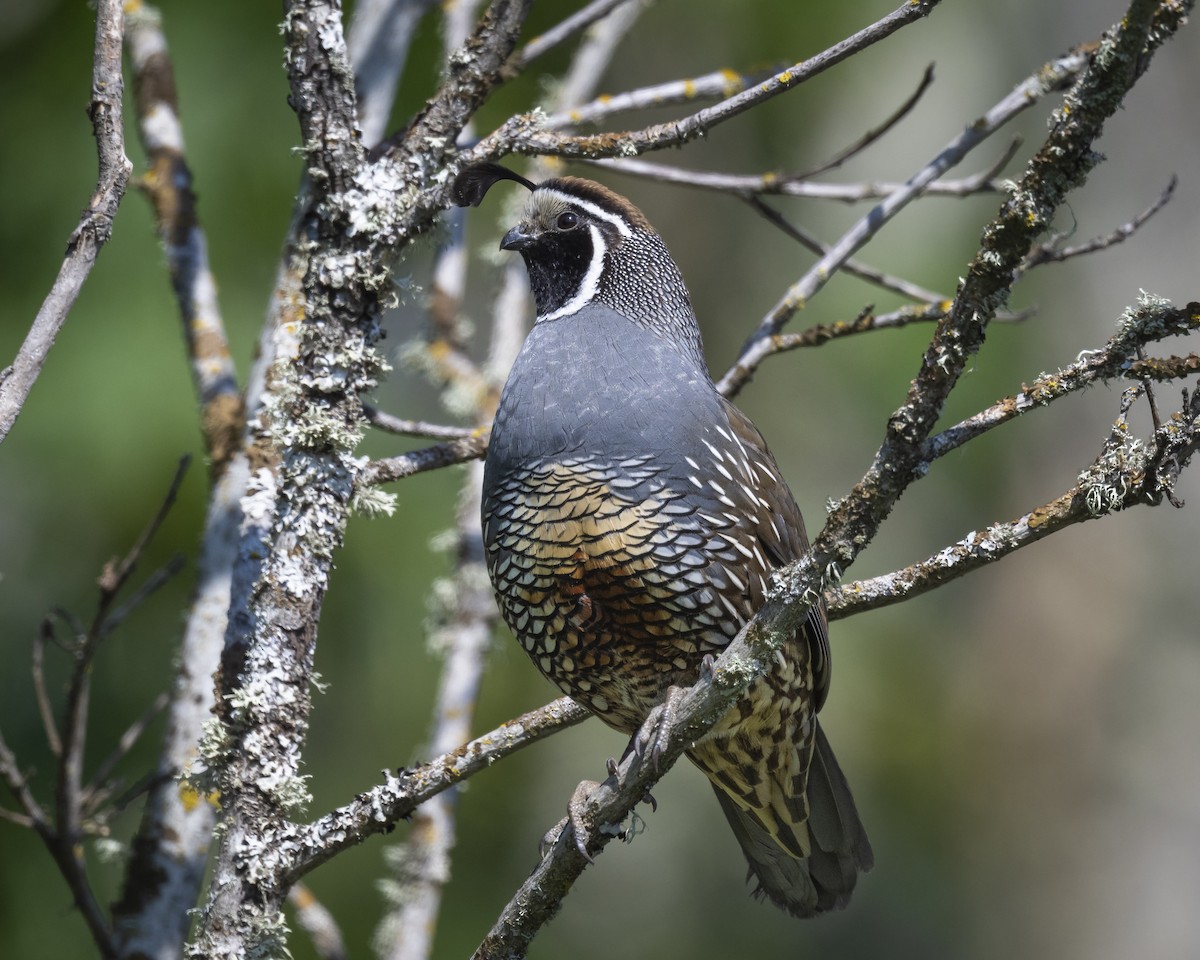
(567,220)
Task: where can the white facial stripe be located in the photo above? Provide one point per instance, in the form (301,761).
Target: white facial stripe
(591,280)
(593,210)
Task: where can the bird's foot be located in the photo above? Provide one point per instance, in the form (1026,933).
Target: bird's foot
(577,817)
(651,740)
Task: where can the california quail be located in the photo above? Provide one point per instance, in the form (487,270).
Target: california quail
(632,517)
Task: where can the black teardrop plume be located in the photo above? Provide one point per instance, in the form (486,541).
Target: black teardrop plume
(473,183)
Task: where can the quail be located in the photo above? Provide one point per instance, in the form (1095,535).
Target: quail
(632,517)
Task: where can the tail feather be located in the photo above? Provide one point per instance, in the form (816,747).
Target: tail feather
(840,850)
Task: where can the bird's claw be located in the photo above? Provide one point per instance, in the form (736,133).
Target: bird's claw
(652,738)
(577,818)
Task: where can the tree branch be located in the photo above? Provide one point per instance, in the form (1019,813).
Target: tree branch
(95,227)
(1052,76)
(380,808)
(525,134)
(1120,477)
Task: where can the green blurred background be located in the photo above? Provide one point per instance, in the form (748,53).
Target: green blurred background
(1021,743)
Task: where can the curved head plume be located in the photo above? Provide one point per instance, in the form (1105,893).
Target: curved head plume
(473,183)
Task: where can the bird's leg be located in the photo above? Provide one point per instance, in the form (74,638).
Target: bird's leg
(576,811)
(651,738)
(577,817)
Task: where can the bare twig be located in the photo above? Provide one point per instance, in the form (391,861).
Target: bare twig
(865,322)
(413,428)
(1052,250)
(117,574)
(18,785)
(719,83)
(430,458)
(852,267)
(572,25)
(93,230)
(792,185)
(45,710)
(98,786)
(1053,76)
(875,133)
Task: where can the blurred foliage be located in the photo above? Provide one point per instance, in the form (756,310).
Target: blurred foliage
(1013,740)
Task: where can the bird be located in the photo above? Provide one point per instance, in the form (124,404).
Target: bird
(632,518)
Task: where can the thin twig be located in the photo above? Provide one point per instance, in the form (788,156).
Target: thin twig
(1053,76)
(718,83)
(18,786)
(1052,252)
(792,185)
(95,227)
(874,134)
(413,428)
(117,574)
(152,583)
(429,458)
(853,267)
(45,709)
(128,740)
(564,31)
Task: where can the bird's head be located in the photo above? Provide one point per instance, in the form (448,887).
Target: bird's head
(584,244)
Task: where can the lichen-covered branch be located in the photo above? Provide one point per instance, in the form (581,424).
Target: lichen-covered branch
(1127,472)
(1061,164)
(377,810)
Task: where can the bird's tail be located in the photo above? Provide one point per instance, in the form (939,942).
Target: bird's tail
(805,865)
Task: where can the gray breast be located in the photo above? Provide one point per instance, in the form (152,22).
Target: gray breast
(594,383)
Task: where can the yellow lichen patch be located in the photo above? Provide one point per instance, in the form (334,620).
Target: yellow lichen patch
(785,77)
(189,796)
(689,88)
